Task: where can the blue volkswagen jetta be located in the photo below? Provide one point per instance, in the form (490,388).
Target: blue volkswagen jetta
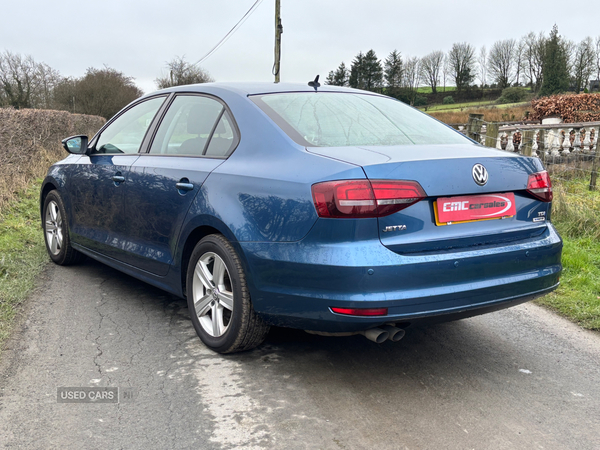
(331,210)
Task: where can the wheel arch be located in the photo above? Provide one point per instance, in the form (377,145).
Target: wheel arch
(197,232)
(48,186)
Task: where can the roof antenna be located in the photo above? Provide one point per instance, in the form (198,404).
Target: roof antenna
(315,83)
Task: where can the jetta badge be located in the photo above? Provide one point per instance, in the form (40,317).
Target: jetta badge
(480,174)
(394,228)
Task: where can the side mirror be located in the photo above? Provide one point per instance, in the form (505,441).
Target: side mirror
(77,145)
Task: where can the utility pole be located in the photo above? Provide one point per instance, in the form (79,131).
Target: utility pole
(278,33)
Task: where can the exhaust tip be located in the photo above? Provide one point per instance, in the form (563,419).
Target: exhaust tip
(376,335)
(395,333)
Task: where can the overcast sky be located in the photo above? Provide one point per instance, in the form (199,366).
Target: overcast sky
(139,37)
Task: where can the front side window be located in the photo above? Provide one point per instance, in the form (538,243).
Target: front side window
(327,119)
(194,126)
(126,133)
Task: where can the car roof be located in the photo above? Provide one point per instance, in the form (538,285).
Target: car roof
(255,88)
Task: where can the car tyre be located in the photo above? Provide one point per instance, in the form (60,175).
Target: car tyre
(218,298)
(56,232)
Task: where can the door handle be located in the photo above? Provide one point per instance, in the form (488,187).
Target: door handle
(118,178)
(184,186)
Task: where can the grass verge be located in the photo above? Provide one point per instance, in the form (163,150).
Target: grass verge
(575,214)
(22,253)
(578,296)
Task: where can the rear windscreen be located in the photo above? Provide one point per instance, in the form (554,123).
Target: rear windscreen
(332,119)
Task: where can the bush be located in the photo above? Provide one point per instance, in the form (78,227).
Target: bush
(513,95)
(420,101)
(448,100)
(30,143)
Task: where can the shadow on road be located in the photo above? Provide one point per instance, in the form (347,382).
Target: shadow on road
(501,381)
(448,349)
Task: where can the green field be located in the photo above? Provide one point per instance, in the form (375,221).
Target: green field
(427,89)
(461,106)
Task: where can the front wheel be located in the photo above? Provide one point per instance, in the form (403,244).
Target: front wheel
(56,232)
(218,298)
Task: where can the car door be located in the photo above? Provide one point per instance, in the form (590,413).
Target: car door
(195,136)
(98,180)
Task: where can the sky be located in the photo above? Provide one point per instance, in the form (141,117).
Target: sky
(138,37)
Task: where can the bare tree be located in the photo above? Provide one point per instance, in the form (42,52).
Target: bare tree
(597,58)
(47,79)
(25,83)
(482,61)
(570,50)
(584,60)
(411,76)
(597,54)
(430,68)
(63,94)
(17,80)
(461,61)
(519,61)
(182,72)
(533,55)
(501,62)
(445,71)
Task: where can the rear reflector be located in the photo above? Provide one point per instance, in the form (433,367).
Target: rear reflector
(540,186)
(361,311)
(364,198)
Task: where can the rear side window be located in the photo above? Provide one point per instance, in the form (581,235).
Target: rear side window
(194,126)
(336,119)
(223,139)
(126,133)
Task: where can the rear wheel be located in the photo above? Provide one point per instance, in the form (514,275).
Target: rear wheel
(218,298)
(56,232)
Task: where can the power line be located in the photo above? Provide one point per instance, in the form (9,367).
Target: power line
(236,26)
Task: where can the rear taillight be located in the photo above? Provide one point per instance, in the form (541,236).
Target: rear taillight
(540,186)
(361,311)
(364,198)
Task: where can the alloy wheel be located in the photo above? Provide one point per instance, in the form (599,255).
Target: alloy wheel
(54,228)
(212,294)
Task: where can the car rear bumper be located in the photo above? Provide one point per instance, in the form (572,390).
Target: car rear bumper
(296,284)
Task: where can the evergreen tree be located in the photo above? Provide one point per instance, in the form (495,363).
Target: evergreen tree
(356,79)
(373,72)
(393,71)
(338,77)
(555,75)
(366,71)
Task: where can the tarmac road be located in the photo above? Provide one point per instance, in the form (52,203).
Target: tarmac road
(516,379)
